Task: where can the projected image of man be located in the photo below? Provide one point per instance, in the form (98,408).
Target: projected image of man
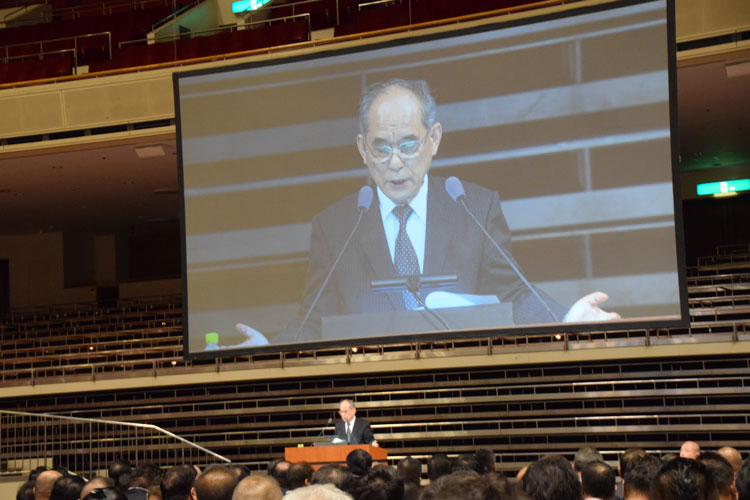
(413,226)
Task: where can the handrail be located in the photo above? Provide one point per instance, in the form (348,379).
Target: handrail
(173,36)
(48,445)
(174,15)
(41,43)
(8,58)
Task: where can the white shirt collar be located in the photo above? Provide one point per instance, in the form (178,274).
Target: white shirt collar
(418,204)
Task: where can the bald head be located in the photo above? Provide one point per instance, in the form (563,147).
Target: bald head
(257,488)
(732,456)
(216,483)
(43,484)
(690,449)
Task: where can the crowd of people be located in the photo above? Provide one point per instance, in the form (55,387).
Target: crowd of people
(692,475)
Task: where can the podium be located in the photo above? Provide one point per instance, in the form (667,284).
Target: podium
(318,456)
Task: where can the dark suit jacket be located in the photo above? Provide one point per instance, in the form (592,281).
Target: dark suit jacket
(453,245)
(361,434)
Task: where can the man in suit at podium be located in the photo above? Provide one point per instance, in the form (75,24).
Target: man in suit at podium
(351,429)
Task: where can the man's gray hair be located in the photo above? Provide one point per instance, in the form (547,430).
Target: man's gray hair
(318,492)
(348,400)
(419,88)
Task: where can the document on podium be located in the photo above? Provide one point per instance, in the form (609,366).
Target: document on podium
(459,311)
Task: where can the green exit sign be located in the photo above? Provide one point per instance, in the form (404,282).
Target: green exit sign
(723,187)
(245,5)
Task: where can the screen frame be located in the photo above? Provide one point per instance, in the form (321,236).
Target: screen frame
(412,37)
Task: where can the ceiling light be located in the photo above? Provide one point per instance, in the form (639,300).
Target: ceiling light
(737,69)
(149,151)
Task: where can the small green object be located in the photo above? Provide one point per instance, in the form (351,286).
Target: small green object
(300,445)
(212,338)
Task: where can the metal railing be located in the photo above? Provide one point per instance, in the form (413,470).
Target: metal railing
(87,445)
(41,53)
(234,27)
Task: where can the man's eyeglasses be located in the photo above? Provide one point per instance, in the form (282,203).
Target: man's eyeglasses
(406,150)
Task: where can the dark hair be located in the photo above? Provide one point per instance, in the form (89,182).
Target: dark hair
(485,460)
(720,469)
(683,479)
(379,483)
(105,494)
(438,465)
(598,480)
(118,468)
(298,474)
(418,88)
(67,488)
(466,485)
(216,483)
(279,473)
(334,474)
(639,475)
(742,481)
(143,475)
(177,481)
(240,471)
(409,470)
(26,491)
(628,458)
(551,478)
(586,455)
(463,463)
(359,462)
(34,473)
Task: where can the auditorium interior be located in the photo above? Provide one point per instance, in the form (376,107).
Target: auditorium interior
(91,277)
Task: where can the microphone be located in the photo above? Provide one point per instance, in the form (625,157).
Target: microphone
(456,191)
(364,200)
(330,419)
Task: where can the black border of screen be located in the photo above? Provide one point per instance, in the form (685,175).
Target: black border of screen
(453,334)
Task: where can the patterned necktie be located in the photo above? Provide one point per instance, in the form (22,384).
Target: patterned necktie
(405,260)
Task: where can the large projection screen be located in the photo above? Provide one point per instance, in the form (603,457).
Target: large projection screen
(567,116)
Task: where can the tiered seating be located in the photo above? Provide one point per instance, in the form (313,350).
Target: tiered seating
(519,412)
(53,49)
(203,46)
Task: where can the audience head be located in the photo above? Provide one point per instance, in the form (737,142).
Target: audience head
(722,472)
(105,494)
(334,474)
(359,462)
(438,465)
(732,456)
(639,475)
(551,478)
(143,475)
(586,455)
(67,488)
(318,492)
(598,480)
(409,470)
(742,481)
(34,473)
(278,469)
(683,479)
(464,463)
(216,483)
(26,491)
(44,482)
(119,471)
(177,482)
(628,457)
(240,471)
(690,449)
(466,485)
(154,491)
(258,488)
(300,474)
(379,483)
(485,460)
(97,482)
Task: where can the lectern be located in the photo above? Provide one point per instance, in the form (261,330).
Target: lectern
(318,456)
